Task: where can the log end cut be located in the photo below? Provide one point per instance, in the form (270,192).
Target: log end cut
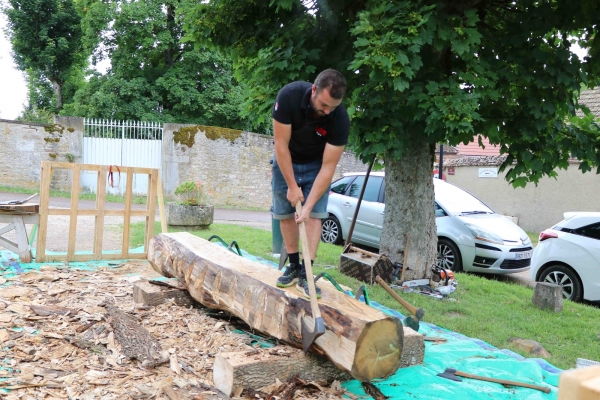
(379,350)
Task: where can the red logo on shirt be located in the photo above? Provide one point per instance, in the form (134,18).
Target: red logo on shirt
(320,131)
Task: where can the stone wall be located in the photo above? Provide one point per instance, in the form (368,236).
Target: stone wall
(23,147)
(537,207)
(234,166)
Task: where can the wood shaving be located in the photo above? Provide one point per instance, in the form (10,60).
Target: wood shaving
(57,344)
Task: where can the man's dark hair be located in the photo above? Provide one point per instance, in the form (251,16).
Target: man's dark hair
(332,80)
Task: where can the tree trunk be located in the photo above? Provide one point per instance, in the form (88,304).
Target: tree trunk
(409,199)
(57,86)
(170,51)
(359,339)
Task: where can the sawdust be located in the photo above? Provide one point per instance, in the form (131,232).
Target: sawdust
(56,342)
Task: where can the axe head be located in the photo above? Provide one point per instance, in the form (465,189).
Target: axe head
(308,335)
(450,373)
(412,323)
(420,314)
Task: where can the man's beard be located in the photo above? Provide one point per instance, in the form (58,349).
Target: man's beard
(315,111)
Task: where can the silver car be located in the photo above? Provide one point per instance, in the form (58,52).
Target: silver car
(471,236)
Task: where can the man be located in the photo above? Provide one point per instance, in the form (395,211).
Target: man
(311,129)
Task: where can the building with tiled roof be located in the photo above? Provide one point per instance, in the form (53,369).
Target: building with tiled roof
(474,149)
(447,149)
(450,152)
(474,155)
(591,98)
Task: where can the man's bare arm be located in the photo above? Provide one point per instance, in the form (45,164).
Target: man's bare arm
(331,158)
(283,135)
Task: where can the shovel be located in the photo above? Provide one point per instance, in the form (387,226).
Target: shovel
(308,335)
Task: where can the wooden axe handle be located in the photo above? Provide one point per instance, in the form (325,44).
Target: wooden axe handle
(365,252)
(405,304)
(503,381)
(310,279)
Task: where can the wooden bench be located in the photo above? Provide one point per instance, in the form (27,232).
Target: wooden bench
(16,216)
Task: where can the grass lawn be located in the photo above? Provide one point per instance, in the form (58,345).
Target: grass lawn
(534,237)
(112,198)
(486,309)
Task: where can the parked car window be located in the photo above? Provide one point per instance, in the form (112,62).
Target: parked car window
(591,231)
(341,185)
(371,191)
(439,212)
(457,201)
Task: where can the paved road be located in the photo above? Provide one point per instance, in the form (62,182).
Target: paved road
(244,217)
(259,219)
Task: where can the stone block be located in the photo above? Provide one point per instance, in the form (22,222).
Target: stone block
(191,216)
(413,348)
(548,296)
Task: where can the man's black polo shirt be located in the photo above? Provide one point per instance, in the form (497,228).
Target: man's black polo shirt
(309,136)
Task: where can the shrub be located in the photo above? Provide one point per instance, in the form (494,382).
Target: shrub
(190,193)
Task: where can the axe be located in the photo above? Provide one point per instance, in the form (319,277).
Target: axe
(455,375)
(408,321)
(308,335)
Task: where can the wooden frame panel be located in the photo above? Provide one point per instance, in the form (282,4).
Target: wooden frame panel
(99,212)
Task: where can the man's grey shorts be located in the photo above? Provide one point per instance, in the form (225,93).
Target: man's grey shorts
(305,175)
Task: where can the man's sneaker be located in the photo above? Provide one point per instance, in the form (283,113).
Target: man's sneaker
(290,276)
(302,286)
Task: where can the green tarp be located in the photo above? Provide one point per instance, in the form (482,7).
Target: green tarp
(421,381)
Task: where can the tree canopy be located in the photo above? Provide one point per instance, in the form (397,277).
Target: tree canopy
(444,69)
(46,39)
(420,73)
(153,75)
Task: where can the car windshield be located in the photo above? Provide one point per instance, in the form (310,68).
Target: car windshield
(458,202)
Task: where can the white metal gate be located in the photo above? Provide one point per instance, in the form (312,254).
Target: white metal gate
(121,143)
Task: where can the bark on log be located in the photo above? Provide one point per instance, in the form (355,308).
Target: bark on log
(359,339)
(242,369)
(136,342)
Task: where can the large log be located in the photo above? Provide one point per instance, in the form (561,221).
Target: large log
(237,370)
(359,339)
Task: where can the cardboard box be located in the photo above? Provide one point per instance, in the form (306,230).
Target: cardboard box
(366,268)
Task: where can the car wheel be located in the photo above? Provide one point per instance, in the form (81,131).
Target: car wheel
(562,275)
(448,255)
(331,231)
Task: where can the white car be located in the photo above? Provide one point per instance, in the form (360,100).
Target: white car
(471,236)
(568,254)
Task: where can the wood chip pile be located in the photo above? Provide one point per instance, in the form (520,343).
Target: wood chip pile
(59,340)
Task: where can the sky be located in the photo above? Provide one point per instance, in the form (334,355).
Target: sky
(13,88)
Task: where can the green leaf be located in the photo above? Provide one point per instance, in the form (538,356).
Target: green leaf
(362,42)
(400,84)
